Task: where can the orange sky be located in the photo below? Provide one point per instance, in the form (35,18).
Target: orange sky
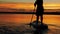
(28,5)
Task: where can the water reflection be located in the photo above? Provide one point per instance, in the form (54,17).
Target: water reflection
(52,19)
(15,21)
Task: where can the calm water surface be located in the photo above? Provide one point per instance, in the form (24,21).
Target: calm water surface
(20,20)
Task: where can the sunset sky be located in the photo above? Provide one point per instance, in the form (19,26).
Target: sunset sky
(31,1)
(28,4)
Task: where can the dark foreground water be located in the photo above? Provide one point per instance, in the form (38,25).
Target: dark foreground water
(26,29)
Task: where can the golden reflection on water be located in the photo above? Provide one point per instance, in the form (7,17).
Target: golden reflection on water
(17,19)
(23,18)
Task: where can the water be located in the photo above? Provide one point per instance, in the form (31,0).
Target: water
(17,23)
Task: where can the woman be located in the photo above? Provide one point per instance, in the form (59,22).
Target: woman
(39,10)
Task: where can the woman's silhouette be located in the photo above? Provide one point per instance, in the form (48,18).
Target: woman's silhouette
(39,10)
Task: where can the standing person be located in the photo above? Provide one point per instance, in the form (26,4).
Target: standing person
(39,28)
(39,10)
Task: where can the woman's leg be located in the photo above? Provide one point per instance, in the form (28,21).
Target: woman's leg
(41,17)
(37,19)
